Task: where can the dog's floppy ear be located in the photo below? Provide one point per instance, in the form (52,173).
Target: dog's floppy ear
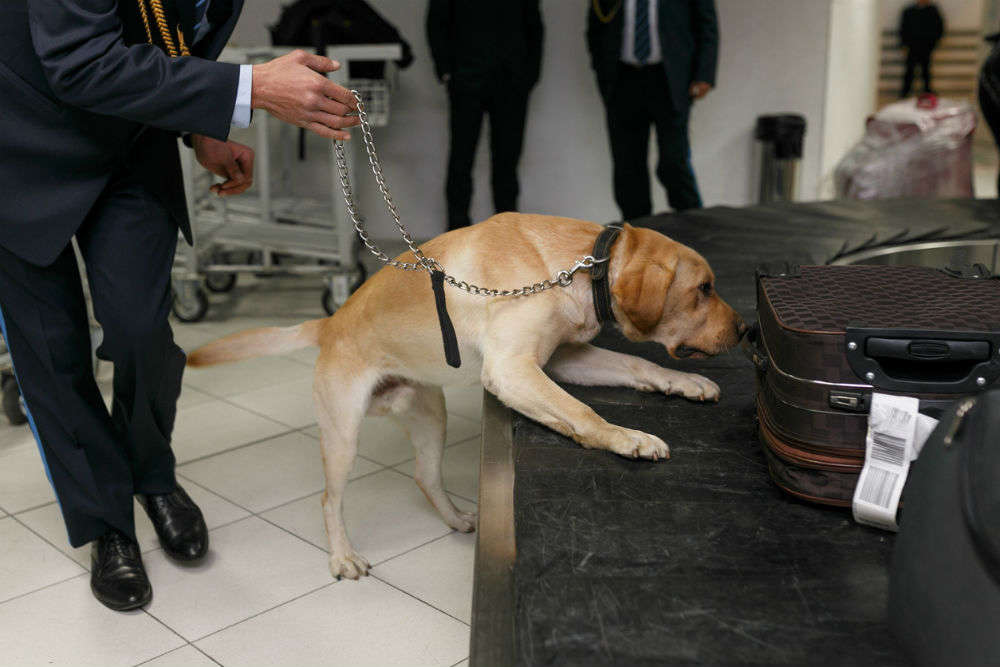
(641,291)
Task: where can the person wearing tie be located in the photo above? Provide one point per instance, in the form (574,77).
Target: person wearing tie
(652,59)
(93,97)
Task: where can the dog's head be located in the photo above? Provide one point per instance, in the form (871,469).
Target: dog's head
(665,292)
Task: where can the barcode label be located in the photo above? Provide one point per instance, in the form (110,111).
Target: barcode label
(898,418)
(878,487)
(888,448)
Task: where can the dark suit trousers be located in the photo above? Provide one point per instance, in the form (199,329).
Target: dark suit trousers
(917,57)
(96,459)
(507,110)
(639,99)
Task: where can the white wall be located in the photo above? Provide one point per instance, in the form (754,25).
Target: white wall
(773,59)
(958,14)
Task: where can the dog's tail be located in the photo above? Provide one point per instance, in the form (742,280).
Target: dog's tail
(256,343)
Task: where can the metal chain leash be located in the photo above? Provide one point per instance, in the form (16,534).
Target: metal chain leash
(562,279)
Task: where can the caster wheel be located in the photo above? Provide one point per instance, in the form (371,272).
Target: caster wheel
(192,309)
(12,405)
(361,275)
(329,305)
(220,282)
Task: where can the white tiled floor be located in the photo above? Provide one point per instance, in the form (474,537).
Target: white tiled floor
(248,453)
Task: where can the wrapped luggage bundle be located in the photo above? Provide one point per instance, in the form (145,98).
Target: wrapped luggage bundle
(830,336)
(912,148)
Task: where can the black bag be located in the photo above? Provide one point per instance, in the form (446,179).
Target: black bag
(319,23)
(944,587)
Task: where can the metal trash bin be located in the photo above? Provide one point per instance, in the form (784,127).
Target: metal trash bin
(781,138)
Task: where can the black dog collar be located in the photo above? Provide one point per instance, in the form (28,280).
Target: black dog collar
(599,273)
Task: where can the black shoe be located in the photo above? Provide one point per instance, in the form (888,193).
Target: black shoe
(117,577)
(179,524)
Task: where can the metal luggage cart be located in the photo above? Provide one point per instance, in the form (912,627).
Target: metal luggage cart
(265,231)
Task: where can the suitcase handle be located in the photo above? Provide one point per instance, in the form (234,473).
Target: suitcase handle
(923,350)
(944,362)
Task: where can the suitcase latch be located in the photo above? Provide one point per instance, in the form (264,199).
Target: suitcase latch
(853,401)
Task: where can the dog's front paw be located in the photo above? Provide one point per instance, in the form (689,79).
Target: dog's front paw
(695,387)
(638,445)
(349,565)
(463,522)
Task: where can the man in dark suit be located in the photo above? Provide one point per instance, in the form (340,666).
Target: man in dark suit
(489,54)
(652,59)
(920,29)
(93,95)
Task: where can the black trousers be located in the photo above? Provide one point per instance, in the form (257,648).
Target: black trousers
(638,100)
(917,58)
(507,108)
(96,459)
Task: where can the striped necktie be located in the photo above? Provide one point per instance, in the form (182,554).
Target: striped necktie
(643,47)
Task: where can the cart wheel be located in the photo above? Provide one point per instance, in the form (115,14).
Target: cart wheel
(220,282)
(12,406)
(328,303)
(362,275)
(192,310)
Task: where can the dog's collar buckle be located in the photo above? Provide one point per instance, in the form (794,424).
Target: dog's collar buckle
(600,285)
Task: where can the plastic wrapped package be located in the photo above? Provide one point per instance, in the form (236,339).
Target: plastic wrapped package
(913,148)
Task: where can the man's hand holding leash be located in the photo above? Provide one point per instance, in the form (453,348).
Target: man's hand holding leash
(294,88)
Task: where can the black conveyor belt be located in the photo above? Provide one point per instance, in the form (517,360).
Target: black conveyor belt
(701,560)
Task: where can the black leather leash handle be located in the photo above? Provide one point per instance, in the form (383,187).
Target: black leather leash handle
(451,353)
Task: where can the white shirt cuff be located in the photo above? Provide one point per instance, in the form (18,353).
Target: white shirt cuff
(242,112)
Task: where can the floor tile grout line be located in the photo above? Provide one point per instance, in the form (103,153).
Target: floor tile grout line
(424,602)
(37,590)
(295,535)
(409,476)
(157,657)
(419,546)
(259,613)
(47,541)
(199,649)
(236,447)
(184,639)
(381,468)
(32,509)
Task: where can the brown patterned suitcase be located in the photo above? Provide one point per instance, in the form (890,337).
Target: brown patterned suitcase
(828,336)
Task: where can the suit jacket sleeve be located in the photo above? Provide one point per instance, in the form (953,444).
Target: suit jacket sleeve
(706,34)
(88,66)
(439,14)
(535,31)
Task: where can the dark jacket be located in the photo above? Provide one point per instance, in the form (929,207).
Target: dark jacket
(480,42)
(82,94)
(920,28)
(689,40)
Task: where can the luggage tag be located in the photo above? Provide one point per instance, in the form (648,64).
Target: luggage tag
(889,448)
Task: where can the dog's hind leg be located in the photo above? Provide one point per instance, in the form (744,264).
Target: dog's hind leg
(342,398)
(421,412)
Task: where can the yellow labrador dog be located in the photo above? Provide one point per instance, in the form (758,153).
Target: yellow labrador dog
(381,352)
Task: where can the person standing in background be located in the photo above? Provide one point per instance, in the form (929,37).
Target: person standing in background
(920,29)
(489,55)
(652,59)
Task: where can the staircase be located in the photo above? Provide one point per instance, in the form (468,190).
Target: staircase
(955,66)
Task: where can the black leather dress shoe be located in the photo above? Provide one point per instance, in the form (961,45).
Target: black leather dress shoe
(179,524)
(117,576)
